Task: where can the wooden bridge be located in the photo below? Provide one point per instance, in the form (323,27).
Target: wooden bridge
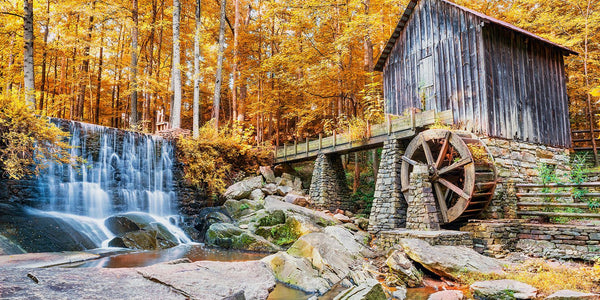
(399,128)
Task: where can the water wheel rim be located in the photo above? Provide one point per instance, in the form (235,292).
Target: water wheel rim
(454,141)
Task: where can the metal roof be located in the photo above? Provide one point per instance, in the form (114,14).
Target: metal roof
(410,9)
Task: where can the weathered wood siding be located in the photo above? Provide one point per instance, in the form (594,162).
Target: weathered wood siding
(495,82)
(526,88)
(453,38)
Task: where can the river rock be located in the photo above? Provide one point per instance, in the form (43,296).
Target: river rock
(502,289)
(572,295)
(267,173)
(296,199)
(237,209)
(362,223)
(297,272)
(403,269)
(399,293)
(283,190)
(371,290)
(207,217)
(43,260)
(447,295)
(152,237)
(269,189)
(279,170)
(229,236)
(342,218)
(322,219)
(242,189)
(257,195)
(128,222)
(250,280)
(449,261)
(352,242)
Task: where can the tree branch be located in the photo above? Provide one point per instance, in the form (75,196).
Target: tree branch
(11,14)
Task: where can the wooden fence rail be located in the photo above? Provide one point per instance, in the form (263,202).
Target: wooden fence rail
(539,202)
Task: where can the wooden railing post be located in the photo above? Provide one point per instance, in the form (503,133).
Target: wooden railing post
(334,139)
(307,146)
(320,141)
(388,124)
(295,147)
(284,150)
(412,119)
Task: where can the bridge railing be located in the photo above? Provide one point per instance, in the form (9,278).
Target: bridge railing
(400,127)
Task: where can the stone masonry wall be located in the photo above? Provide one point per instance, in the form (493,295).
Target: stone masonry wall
(422,213)
(499,237)
(518,162)
(328,188)
(389,206)
(387,239)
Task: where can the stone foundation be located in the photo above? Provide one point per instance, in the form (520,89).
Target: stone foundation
(518,162)
(499,237)
(328,188)
(386,239)
(389,206)
(422,213)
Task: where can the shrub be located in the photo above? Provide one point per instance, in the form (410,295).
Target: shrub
(213,159)
(27,141)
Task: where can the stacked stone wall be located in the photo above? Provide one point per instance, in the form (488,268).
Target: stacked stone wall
(422,213)
(389,206)
(328,188)
(518,162)
(499,237)
(387,239)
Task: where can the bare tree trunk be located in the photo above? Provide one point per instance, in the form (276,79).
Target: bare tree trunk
(196,120)
(44,56)
(236,29)
(28,67)
(217,95)
(85,68)
(176,106)
(356,174)
(133,118)
(99,85)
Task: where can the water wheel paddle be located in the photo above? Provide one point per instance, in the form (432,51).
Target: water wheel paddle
(461,171)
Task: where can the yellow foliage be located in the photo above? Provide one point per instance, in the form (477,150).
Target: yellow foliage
(213,159)
(28,142)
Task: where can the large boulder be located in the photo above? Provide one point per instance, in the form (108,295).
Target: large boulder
(229,236)
(572,295)
(273,203)
(237,209)
(449,261)
(207,217)
(297,272)
(352,242)
(370,290)
(504,289)
(139,231)
(296,199)
(244,188)
(36,231)
(447,295)
(209,280)
(267,173)
(7,247)
(402,270)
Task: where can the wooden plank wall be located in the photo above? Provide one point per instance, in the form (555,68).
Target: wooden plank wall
(453,37)
(526,88)
(495,81)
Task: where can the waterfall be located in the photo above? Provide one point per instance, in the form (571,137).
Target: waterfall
(121,172)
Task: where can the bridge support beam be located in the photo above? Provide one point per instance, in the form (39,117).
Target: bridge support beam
(328,188)
(389,206)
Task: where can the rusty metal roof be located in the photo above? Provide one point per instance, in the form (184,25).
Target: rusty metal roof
(411,7)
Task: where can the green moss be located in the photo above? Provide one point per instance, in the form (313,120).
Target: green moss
(274,218)
(244,206)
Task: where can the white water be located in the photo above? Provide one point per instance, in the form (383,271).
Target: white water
(122,172)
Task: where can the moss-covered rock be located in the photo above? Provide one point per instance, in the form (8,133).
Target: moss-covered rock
(229,236)
(238,209)
(274,218)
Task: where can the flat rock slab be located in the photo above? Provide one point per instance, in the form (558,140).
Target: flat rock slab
(573,295)
(449,261)
(214,280)
(41,260)
(503,289)
(84,283)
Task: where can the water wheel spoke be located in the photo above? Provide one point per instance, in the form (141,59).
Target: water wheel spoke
(441,198)
(428,154)
(456,165)
(454,188)
(443,151)
(412,162)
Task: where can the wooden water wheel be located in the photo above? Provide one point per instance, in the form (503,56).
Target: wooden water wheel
(461,171)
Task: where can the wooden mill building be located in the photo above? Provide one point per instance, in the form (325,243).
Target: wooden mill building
(498,80)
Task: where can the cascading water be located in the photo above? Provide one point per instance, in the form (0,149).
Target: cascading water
(121,172)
